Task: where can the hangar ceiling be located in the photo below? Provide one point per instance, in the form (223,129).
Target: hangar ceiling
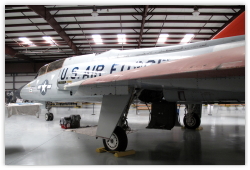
(71,28)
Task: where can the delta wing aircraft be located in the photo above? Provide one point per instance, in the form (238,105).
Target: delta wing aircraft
(205,72)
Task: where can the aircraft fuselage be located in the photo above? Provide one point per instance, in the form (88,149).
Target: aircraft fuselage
(49,86)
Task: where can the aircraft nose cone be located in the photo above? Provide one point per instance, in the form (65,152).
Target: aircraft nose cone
(17,93)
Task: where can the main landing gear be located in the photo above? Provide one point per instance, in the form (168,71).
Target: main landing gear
(192,118)
(192,121)
(118,140)
(49,116)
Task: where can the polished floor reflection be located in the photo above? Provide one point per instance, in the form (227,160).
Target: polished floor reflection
(33,141)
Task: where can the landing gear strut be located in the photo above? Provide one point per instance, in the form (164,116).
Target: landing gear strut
(192,119)
(118,140)
(49,116)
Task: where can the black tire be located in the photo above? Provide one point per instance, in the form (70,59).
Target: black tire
(117,142)
(194,123)
(47,117)
(51,116)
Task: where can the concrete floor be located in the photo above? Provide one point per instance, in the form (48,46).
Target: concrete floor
(33,141)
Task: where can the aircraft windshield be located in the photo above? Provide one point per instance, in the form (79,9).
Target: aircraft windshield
(55,65)
(50,67)
(42,70)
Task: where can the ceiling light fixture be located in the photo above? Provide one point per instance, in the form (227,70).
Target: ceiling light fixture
(121,38)
(97,39)
(94,13)
(26,41)
(196,12)
(49,40)
(162,38)
(187,38)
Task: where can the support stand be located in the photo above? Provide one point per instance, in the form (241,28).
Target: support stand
(116,153)
(93,109)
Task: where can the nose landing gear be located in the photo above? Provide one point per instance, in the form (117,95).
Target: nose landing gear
(49,116)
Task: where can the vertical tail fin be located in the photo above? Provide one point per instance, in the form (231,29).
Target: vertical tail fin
(236,27)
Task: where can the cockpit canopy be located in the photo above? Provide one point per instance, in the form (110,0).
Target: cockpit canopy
(50,67)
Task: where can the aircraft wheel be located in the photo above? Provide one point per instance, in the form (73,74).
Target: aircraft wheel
(51,116)
(118,140)
(47,117)
(192,122)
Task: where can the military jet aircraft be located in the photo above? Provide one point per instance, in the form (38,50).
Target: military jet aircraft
(192,74)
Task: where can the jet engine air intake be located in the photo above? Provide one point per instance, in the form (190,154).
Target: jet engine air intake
(151,96)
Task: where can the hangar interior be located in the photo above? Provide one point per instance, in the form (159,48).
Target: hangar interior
(36,35)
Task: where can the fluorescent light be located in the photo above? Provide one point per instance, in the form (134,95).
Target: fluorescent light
(121,38)
(49,40)
(162,38)
(187,38)
(97,39)
(26,41)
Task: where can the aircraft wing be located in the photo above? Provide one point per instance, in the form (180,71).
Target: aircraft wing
(212,71)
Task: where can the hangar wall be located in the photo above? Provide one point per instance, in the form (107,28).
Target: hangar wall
(15,81)
(17,75)
(11,68)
